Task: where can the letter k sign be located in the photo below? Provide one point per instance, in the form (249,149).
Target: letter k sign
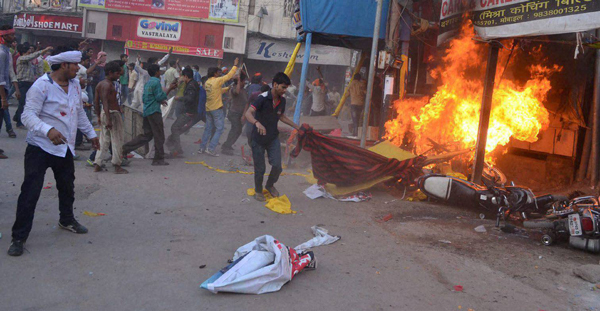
(264,47)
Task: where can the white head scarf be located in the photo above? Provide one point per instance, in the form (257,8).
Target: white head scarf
(65,57)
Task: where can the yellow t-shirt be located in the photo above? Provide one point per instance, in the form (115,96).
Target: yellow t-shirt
(214,90)
(46,67)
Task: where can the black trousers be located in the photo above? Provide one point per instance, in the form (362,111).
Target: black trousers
(173,142)
(236,129)
(37,161)
(356,117)
(153,129)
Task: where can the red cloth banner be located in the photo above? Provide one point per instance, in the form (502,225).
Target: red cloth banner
(342,164)
(177,49)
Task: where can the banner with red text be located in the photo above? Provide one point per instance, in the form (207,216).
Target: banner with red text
(514,18)
(451,18)
(223,10)
(48,22)
(177,49)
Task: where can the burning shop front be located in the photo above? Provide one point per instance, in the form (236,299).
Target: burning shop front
(541,100)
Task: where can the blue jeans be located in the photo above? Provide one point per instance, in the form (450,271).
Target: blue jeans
(215,118)
(258,156)
(124,93)
(90,93)
(5,119)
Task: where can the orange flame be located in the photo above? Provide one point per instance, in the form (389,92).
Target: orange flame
(451,115)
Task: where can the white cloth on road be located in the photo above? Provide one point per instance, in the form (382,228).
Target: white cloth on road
(322,237)
(315,191)
(263,265)
(48,106)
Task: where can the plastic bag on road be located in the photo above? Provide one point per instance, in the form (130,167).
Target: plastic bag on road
(322,237)
(265,265)
(261,266)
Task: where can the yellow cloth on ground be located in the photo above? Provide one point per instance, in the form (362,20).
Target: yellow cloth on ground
(281,204)
(238,171)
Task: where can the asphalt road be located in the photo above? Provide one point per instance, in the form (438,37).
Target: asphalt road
(163,224)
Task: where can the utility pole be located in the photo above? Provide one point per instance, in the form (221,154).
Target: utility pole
(596,121)
(363,139)
(486,109)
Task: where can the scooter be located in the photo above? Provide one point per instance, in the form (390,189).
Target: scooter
(578,219)
(504,201)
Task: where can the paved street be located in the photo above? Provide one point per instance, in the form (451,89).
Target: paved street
(163,223)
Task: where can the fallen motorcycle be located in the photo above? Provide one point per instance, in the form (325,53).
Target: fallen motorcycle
(503,201)
(577,219)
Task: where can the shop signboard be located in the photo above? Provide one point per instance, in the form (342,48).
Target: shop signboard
(48,22)
(513,18)
(177,49)
(281,51)
(223,10)
(157,28)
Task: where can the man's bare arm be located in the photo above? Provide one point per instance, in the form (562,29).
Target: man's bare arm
(92,68)
(288,121)
(97,102)
(250,117)
(4,97)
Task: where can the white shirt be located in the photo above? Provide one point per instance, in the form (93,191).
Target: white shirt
(143,75)
(318,98)
(48,106)
(82,73)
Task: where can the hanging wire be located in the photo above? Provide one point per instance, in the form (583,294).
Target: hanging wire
(514,46)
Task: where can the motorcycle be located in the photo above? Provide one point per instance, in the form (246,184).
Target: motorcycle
(503,201)
(578,219)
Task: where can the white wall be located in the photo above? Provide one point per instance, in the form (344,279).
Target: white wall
(101,19)
(239,39)
(274,24)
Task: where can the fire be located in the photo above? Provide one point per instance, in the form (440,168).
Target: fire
(451,115)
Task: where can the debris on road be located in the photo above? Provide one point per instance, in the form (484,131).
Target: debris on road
(281,204)
(92,214)
(238,171)
(458,288)
(445,241)
(265,265)
(385,218)
(322,237)
(316,191)
(480,229)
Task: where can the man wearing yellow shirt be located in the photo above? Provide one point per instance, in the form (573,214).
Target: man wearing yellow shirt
(215,114)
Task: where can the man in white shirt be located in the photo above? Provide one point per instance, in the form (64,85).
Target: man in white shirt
(143,77)
(319,91)
(53,113)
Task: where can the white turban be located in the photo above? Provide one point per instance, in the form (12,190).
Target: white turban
(65,57)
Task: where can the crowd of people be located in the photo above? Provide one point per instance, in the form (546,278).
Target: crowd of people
(60,103)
